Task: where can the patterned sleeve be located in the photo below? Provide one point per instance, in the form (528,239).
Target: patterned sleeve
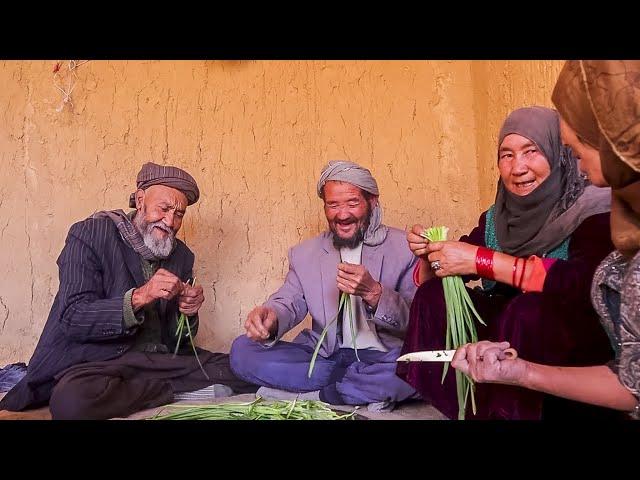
(629,359)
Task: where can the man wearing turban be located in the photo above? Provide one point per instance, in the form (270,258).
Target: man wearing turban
(106,349)
(357,255)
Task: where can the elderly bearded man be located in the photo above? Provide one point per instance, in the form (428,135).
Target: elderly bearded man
(357,255)
(106,349)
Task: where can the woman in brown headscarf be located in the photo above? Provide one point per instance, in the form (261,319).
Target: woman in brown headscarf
(599,104)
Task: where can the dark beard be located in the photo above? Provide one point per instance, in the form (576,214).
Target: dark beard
(352,242)
(357,237)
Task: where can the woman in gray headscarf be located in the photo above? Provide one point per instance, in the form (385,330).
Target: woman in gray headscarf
(599,102)
(535,251)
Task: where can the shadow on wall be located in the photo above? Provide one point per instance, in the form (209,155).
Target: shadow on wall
(227,65)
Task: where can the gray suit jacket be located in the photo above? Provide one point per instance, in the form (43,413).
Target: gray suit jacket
(311,287)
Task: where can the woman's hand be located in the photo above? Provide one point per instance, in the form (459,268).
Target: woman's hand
(417,243)
(487,362)
(451,258)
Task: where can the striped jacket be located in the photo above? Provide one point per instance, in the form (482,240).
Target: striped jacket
(85,324)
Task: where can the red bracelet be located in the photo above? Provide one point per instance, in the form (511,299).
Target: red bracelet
(484,263)
(416,273)
(515,269)
(524,267)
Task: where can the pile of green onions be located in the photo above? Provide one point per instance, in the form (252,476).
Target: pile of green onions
(344,304)
(256,410)
(461,328)
(183,321)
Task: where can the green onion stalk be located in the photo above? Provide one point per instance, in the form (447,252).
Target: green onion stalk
(255,410)
(461,328)
(344,304)
(183,322)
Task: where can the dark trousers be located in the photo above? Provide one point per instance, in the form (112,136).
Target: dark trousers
(136,381)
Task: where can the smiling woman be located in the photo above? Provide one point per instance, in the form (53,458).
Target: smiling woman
(600,100)
(535,251)
(523,167)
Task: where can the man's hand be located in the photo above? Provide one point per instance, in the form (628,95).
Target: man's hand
(163,284)
(356,280)
(261,324)
(191,299)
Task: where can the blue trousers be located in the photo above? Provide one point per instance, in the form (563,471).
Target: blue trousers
(341,378)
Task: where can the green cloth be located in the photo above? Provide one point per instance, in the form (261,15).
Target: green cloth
(148,319)
(149,336)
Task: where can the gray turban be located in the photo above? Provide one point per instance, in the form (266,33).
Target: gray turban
(174,177)
(349,172)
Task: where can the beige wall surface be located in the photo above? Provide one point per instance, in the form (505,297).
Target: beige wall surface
(255,135)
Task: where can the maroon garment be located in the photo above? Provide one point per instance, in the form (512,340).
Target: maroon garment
(557,326)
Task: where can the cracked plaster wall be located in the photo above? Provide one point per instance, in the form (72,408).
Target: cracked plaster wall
(255,135)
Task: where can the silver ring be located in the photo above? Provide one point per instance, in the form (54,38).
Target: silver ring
(435,266)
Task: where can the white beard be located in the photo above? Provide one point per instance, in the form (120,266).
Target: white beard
(160,247)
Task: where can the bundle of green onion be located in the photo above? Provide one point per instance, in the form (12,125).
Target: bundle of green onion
(256,410)
(344,304)
(460,326)
(183,321)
